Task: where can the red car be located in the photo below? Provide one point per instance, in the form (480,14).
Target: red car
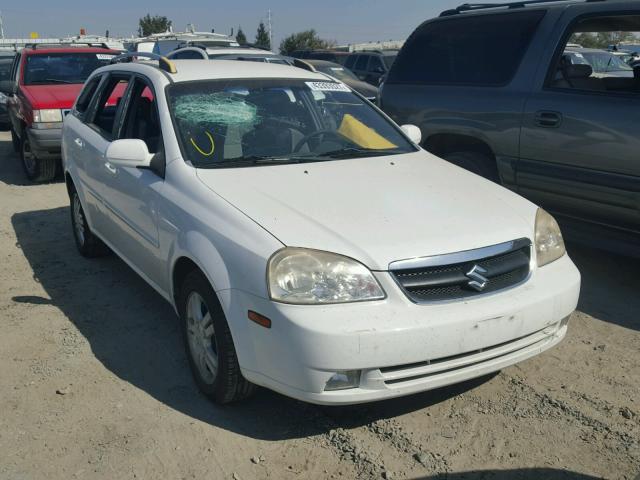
(43,85)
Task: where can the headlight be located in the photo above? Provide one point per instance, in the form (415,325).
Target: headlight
(309,277)
(49,115)
(549,242)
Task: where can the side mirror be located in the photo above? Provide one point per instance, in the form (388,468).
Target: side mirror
(129,152)
(413,132)
(8,87)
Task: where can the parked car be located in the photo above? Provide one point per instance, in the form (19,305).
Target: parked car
(6,60)
(228,53)
(563,135)
(345,76)
(335,56)
(371,66)
(43,84)
(305,240)
(603,63)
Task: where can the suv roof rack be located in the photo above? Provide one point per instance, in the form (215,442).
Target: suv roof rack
(163,62)
(35,46)
(468,7)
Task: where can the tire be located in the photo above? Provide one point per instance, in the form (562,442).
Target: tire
(475,162)
(15,141)
(87,243)
(208,342)
(36,169)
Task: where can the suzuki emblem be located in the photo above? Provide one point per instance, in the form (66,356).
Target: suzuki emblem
(477,279)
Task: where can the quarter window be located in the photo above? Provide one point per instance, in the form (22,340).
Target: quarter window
(476,50)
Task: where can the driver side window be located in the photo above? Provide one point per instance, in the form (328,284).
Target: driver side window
(601,54)
(141,119)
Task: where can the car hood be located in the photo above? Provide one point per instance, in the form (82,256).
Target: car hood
(52,96)
(363,88)
(378,209)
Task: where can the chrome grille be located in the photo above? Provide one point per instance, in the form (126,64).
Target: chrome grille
(450,277)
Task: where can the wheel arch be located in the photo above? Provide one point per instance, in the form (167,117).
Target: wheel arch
(441,144)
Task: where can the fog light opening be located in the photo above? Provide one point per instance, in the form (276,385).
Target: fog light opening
(343,380)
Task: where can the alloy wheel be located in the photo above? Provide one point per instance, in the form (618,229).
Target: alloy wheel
(78,219)
(201,337)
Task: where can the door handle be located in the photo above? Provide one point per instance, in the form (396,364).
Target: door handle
(110,168)
(548,119)
(79,142)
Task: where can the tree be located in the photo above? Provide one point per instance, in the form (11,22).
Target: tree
(262,37)
(149,25)
(307,40)
(241,38)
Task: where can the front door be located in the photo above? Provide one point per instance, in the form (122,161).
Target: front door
(580,138)
(131,194)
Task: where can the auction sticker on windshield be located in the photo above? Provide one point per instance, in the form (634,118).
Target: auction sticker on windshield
(102,56)
(327,87)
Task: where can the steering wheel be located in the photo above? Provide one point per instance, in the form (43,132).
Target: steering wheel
(317,133)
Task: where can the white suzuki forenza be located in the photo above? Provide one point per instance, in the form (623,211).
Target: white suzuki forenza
(308,244)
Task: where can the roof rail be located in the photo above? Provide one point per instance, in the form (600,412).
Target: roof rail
(163,62)
(35,46)
(468,7)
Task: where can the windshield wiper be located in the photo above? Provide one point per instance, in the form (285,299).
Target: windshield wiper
(355,152)
(51,80)
(251,160)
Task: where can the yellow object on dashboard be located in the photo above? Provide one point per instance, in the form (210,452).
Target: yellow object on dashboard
(363,136)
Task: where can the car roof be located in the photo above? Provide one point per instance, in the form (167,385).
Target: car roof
(322,63)
(241,51)
(44,51)
(194,70)
(488,8)
(582,49)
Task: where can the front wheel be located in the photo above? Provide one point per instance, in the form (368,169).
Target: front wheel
(36,169)
(209,345)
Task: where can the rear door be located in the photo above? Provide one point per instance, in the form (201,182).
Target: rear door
(580,138)
(74,155)
(93,138)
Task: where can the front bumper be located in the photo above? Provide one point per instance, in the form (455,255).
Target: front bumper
(45,143)
(400,347)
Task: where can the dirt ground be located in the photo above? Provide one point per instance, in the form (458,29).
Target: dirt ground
(94,383)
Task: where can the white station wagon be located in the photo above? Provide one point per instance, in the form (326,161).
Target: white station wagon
(307,243)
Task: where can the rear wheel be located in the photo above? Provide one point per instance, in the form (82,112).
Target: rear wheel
(36,169)
(88,244)
(475,162)
(210,349)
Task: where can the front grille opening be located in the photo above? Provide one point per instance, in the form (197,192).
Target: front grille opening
(450,282)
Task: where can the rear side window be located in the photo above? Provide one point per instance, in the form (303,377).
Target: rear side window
(84,99)
(361,63)
(350,61)
(476,50)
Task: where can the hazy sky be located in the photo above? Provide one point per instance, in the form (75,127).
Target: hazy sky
(346,21)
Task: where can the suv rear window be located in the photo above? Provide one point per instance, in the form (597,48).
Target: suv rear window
(59,68)
(473,50)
